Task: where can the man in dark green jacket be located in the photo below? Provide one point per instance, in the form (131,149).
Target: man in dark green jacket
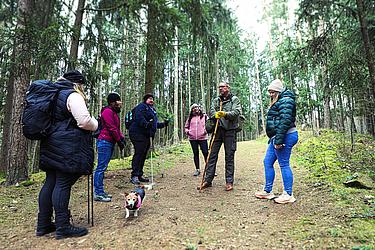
(227,108)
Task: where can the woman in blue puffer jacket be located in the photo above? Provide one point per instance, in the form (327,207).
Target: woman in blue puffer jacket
(281,130)
(141,131)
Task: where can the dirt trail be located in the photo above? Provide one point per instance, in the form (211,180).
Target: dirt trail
(176,216)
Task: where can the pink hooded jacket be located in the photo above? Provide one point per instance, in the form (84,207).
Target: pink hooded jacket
(196,130)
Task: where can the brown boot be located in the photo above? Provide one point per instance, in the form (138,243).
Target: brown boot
(205,185)
(229,187)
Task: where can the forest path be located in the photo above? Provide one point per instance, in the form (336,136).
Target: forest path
(176,216)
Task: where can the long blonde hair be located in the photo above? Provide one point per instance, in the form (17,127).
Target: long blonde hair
(78,87)
(275,99)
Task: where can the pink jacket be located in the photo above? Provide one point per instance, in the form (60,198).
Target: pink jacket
(196,130)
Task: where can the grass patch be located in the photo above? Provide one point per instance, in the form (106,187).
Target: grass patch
(331,161)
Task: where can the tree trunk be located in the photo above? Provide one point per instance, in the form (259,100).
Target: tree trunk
(16,159)
(175,96)
(73,55)
(259,92)
(151,50)
(7,118)
(370,64)
(189,82)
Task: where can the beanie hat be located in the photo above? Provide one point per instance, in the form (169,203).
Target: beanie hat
(113,97)
(146,96)
(75,76)
(276,85)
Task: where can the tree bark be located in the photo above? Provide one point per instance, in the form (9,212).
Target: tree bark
(16,159)
(175,96)
(73,55)
(151,49)
(370,64)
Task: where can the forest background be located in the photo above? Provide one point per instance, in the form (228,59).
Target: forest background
(180,50)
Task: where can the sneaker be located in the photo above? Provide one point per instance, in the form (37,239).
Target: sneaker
(135,180)
(285,198)
(107,195)
(229,187)
(197,172)
(205,185)
(143,179)
(264,195)
(70,231)
(101,197)
(41,231)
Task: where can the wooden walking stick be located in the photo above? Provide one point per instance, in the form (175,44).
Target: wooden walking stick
(210,148)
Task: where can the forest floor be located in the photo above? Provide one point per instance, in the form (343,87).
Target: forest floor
(176,216)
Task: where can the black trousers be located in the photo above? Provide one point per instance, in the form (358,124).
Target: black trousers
(228,137)
(141,146)
(204,148)
(55,195)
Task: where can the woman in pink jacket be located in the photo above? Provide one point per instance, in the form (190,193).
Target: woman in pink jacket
(196,132)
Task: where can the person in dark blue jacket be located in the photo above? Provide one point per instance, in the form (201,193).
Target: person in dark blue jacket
(141,131)
(65,155)
(281,130)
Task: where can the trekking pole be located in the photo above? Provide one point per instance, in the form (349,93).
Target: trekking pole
(88,199)
(210,149)
(92,199)
(152,165)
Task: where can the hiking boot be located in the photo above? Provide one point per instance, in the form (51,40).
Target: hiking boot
(205,185)
(285,198)
(102,197)
(70,231)
(264,195)
(229,187)
(143,179)
(197,172)
(135,180)
(107,195)
(40,231)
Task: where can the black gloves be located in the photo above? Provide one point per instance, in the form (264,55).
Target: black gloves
(166,123)
(121,144)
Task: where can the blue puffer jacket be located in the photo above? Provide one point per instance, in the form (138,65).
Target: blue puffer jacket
(145,121)
(68,148)
(281,116)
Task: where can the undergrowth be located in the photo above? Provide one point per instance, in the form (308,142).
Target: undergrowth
(333,162)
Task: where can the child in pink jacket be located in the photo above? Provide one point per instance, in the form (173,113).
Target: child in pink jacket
(196,132)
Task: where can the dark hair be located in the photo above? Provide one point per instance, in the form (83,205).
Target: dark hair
(113,97)
(191,114)
(146,96)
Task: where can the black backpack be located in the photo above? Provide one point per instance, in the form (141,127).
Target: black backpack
(38,114)
(129,118)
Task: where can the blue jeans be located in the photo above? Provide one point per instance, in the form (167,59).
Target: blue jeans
(105,150)
(282,156)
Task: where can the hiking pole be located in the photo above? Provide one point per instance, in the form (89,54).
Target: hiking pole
(92,199)
(210,149)
(88,199)
(150,186)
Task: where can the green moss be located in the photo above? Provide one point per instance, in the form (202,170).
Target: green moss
(330,161)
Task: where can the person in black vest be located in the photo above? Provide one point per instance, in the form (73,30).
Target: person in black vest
(140,132)
(65,155)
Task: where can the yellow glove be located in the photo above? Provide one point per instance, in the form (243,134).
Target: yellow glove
(220,114)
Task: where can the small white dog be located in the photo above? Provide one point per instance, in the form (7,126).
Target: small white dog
(134,200)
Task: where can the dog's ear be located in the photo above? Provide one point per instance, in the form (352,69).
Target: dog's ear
(125,194)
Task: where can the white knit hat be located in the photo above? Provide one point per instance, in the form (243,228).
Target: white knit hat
(276,85)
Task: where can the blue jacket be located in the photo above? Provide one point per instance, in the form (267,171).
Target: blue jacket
(68,148)
(145,121)
(281,116)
